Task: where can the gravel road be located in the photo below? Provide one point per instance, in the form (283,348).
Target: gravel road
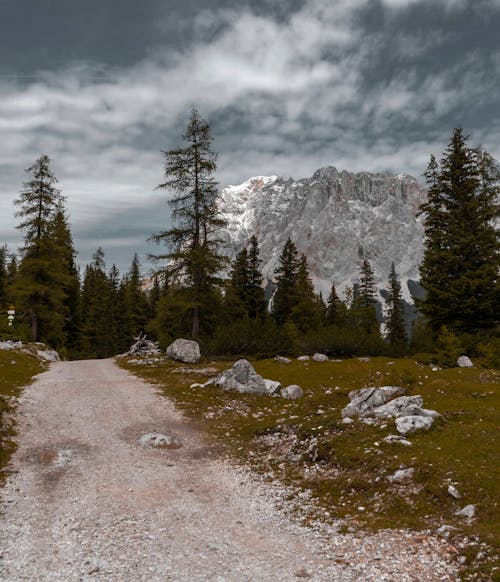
(85,501)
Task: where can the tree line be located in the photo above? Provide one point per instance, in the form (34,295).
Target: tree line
(198,293)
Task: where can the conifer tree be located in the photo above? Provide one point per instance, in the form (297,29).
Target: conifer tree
(257,308)
(396,332)
(193,255)
(39,287)
(285,296)
(3,278)
(306,314)
(332,307)
(363,304)
(136,298)
(461,261)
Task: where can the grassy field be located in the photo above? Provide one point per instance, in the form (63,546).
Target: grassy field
(16,370)
(345,467)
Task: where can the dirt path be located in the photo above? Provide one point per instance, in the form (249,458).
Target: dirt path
(89,503)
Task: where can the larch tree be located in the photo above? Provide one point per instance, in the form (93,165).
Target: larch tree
(461,264)
(193,243)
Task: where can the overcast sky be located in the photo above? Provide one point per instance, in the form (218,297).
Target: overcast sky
(101,86)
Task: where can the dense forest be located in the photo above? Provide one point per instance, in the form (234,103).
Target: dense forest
(196,292)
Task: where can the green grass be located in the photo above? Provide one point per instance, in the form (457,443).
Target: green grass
(345,467)
(16,370)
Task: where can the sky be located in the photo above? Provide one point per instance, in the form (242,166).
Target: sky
(103,86)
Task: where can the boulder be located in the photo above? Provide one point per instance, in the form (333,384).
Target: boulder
(272,386)
(48,355)
(292,392)
(464,362)
(241,377)
(320,358)
(365,400)
(183,350)
(303,358)
(402,406)
(410,424)
(282,360)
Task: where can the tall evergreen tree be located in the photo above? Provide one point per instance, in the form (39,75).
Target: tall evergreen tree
(307,313)
(460,268)
(363,304)
(332,307)
(285,296)
(194,256)
(396,332)
(39,286)
(3,278)
(136,298)
(257,307)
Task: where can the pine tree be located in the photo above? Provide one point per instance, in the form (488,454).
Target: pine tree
(396,332)
(462,253)
(363,304)
(136,298)
(306,314)
(3,279)
(257,307)
(194,257)
(285,296)
(39,286)
(332,316)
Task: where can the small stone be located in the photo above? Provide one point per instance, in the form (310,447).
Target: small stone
(282,360)
(303,358)
(468,511)
(347,420)
(454,492)
(292,392)
(401,475)
(396,438)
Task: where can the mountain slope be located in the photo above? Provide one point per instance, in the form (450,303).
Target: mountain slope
(335,218)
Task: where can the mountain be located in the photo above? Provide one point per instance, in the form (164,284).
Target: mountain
(336,219)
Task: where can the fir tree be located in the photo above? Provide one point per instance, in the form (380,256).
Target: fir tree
(194,257)
(136,298)
(306,314)
(257,307)
(39,287)
(332,315)
(462,254)
(396,332)
(285,296)
(363,304)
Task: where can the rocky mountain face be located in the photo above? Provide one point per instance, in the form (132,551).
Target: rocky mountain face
(336,219)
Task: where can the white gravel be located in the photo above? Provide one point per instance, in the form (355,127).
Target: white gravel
(88,502)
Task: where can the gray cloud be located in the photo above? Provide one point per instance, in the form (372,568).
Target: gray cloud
(360,84)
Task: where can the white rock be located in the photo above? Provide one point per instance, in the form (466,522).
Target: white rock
(303,358)
(183,350)
(347,420)
(401,475)
(241,377)
(48,355)
(410,424)
(282,360)
(453,492)
(365,400)
(402,406)
(292,392)
(155,439)
(464,362)
(320,357)
(272,386)
(468,511)
(396,438)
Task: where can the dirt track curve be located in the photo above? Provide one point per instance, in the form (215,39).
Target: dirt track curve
(86,501)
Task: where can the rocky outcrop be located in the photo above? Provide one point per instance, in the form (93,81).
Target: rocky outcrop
(36,349)
(183,350)
(402,406)
(359,215)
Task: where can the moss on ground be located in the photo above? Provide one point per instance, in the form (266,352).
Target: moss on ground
(16,370)
(345,467)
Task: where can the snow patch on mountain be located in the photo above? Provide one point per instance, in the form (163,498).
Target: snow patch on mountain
(335,218)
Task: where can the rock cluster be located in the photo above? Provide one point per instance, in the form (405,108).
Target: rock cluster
(389,402)
(37,349)
(183,350)
(243,378)
(144,347)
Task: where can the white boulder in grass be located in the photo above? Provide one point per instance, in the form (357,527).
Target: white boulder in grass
(303,358)
(411,424)
(183,350)
(320,357)
(282,360)
(464,362)
(241,377)
(292,392)
(365,400)
(272,386)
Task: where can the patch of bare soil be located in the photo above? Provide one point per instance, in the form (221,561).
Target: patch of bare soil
(89,502)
